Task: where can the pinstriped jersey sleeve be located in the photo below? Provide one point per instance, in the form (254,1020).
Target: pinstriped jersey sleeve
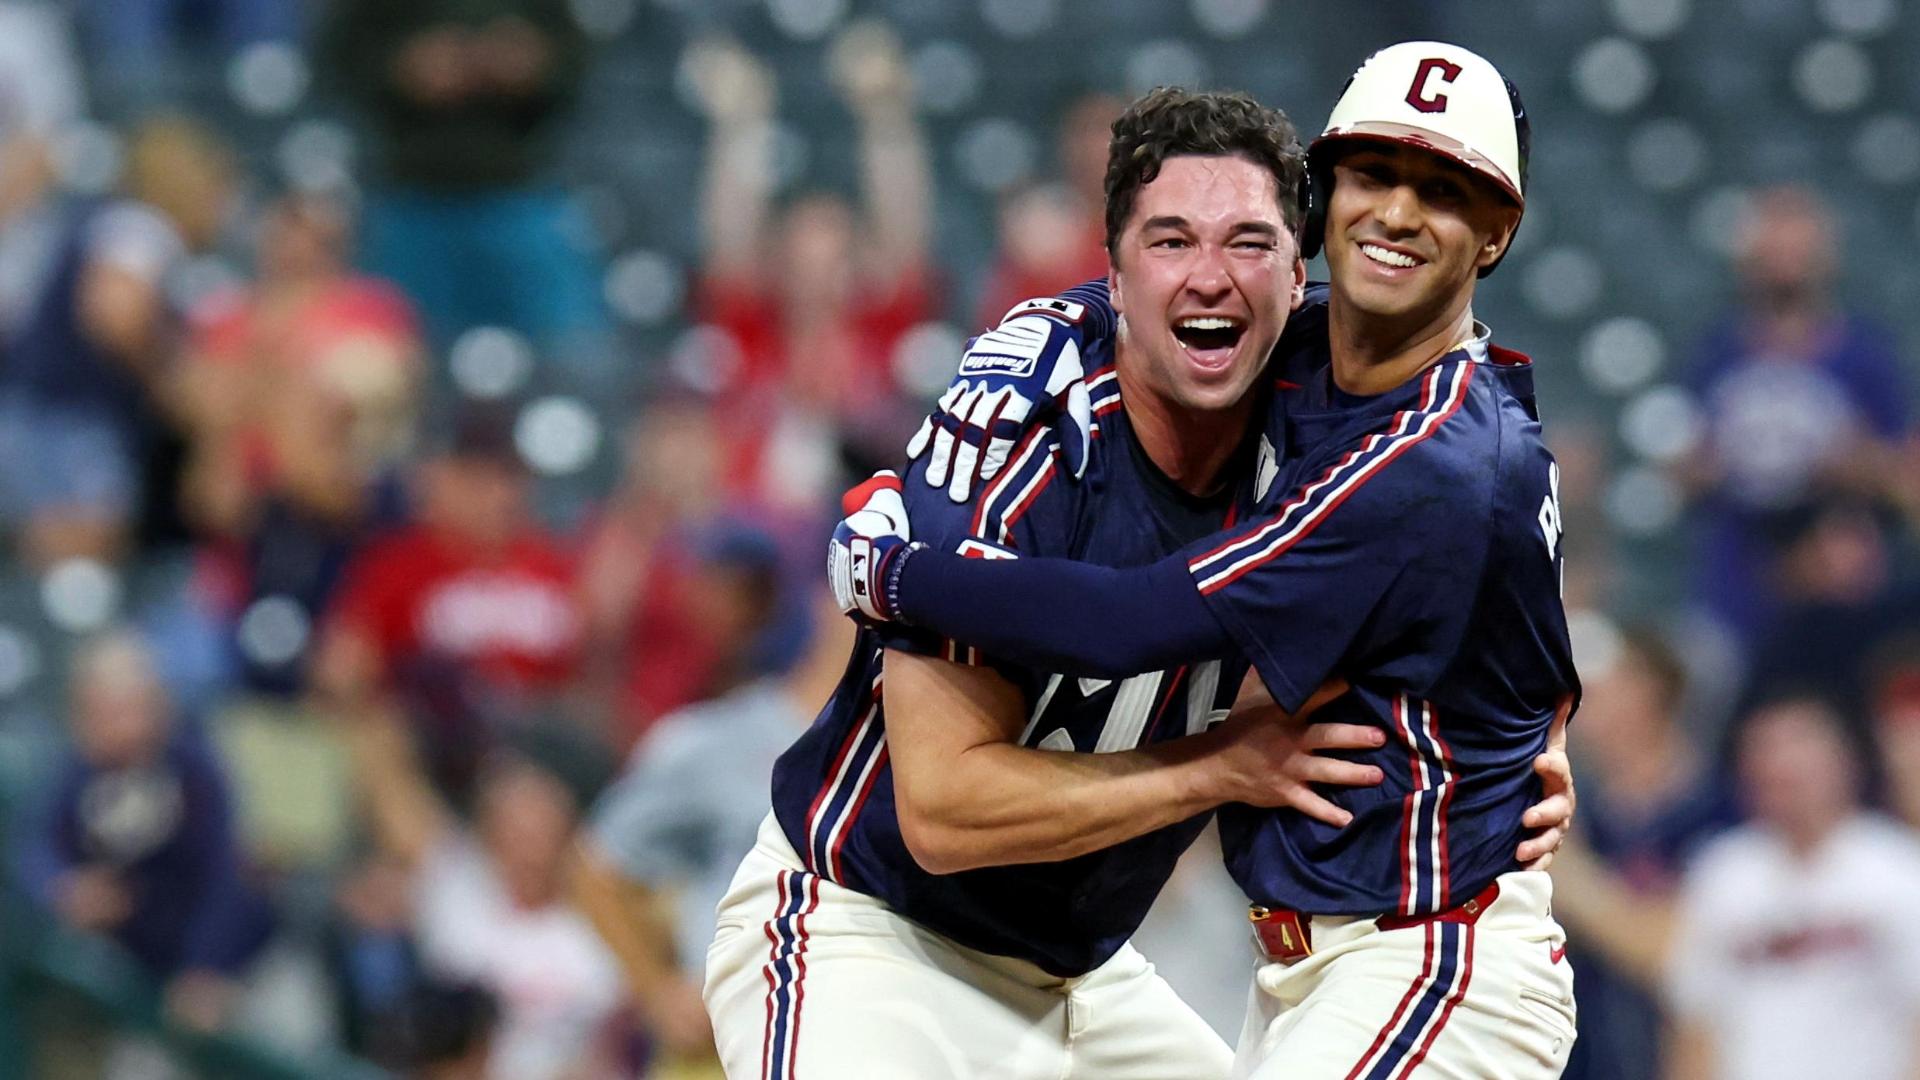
(1372,557)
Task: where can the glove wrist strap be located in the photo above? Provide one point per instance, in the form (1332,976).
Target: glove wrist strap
(889,591)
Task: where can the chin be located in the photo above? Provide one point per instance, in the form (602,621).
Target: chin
(1381,301)
(1214,397)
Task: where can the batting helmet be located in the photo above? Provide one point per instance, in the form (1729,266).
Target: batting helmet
(1432,95)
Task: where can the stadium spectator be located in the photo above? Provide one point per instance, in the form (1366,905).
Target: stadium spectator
(1838,600)
(464,99)
(1800,397)
(87,324)
(1648,800)
(137,840)
(1802,925)
(1893,703)
(440,1032)
(646,653)
(813,305)
(1052,234)
(666,838)
(299,395)
(143,48)
(488,904)
(42,91)
(463,621)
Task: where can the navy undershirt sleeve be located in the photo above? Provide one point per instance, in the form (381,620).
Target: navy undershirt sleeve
(1059,615)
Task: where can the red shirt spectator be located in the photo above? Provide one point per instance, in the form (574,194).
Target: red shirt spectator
(507,615)
(1049,241)
(465,623)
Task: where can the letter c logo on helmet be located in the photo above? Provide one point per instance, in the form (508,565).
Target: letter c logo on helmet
(1419,96)
(1437,96)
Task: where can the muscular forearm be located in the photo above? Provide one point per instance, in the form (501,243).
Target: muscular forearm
(1065,616)
(969,795)
(1000,804)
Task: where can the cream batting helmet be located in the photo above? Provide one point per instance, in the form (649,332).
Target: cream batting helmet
(1433,95)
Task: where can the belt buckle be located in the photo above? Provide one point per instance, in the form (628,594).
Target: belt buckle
(1280,935)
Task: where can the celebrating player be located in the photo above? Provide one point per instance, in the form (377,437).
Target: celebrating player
(1410,545)
(838,952)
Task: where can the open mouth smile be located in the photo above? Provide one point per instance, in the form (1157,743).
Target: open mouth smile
(1209,339)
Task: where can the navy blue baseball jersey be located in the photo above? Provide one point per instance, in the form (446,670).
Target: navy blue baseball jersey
(1409,543)
(1412,545)
(833,790)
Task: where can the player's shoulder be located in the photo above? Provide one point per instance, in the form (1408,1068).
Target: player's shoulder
(1442,433)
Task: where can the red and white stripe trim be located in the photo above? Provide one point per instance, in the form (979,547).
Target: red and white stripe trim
(1444,390)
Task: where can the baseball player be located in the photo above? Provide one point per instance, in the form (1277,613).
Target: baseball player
(960,846)
(1409,541)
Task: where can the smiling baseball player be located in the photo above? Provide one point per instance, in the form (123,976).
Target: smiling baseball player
(1410,543)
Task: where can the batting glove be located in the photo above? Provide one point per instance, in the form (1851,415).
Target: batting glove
(1025,370)
(869,548)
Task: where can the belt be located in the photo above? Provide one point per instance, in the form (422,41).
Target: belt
(1284,936)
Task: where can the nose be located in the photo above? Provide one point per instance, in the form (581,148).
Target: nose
(1207,276)
(1399,210)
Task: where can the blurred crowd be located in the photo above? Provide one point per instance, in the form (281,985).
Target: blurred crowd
(398,758)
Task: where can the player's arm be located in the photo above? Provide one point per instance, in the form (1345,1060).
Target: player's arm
(1292,591)
(1313,596)
(969,796)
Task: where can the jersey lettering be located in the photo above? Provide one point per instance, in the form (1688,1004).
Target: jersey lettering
(1128,717)
(1421,95)
(1551,526)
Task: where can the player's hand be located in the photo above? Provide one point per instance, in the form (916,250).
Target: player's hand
(1025,371)
(1550,819)
(1273,758)
(867,547)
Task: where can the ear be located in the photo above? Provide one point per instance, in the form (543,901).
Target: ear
(1299,288)
(1497,243)
(1115,293)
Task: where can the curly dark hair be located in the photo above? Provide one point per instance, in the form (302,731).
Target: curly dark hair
(1169,122)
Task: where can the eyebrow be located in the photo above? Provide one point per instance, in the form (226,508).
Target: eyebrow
(1175,221)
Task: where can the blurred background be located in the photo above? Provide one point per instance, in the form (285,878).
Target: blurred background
(419,421)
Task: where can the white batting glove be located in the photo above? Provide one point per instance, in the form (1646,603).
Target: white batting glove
(867,548)
(1023,371)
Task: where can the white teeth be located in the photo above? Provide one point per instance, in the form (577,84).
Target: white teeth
(1207,323)
(1391,258)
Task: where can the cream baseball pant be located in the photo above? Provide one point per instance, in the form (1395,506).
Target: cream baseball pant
(807,980)
(1439,1001)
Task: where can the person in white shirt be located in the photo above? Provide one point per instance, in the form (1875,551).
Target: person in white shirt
(489,903)
(1797,951)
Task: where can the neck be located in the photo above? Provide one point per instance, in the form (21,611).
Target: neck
(1804,835)
(1191,447)
(1374,356)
